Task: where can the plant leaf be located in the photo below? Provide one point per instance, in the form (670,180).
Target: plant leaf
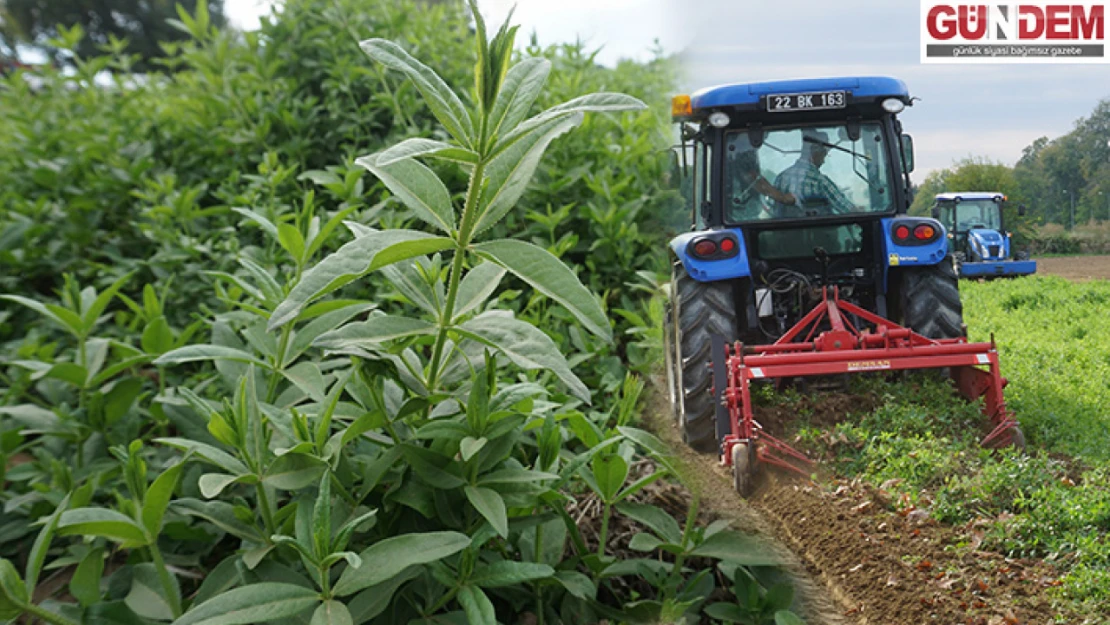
(218,513)
(331,612)
(85,583)
(147,596)
(90,315)
(548,275)
(158,497)
(192,353)
(490,505)
(525,345)
(476,287)
(101,522)
(509,573)
(257,603)
(355,259)
(208,453)
(443,102)
(212,484)
(291,241)
(370,334)
(610,471)
(293,472)
(478,608)
(510,171)
(417,186)
(785,617)
(593,102)
(523,83)
(577,584)
(13,593)
(64,317)
(734,547)
(324,323)
(418,146)
(653,518)
(387,558)
(42,545)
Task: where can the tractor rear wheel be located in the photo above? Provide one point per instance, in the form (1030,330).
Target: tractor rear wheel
(699,310)
(931,301)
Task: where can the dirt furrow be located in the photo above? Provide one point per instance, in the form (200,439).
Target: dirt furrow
(857,561)
(819,602)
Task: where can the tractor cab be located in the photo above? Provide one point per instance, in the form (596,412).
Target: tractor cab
(981,245)
(809,177)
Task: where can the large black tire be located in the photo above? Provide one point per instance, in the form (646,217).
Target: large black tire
(931,301)
(700,309)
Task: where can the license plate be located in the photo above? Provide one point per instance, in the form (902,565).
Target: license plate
(816,101)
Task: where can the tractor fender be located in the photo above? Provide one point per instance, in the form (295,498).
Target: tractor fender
(712,270)
(901,255)
(917,255)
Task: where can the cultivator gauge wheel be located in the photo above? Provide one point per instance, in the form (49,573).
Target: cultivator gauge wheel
(743,469)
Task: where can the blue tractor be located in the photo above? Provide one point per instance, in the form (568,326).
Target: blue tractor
(981,246)
(800,244)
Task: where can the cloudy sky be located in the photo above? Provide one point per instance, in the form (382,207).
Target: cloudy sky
(982,110)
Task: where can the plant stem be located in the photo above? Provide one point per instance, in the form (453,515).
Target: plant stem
(603,535)
(166,578)
(462,241)
(275,376)
(47,616)
(267,515)
(443,601)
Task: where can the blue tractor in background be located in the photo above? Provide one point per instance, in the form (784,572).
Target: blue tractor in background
(981,246)
(801,262)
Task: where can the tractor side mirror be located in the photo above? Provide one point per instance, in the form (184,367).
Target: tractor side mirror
(907,152)
(1021,210)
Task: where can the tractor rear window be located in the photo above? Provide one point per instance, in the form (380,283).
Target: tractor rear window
(971,214)
(806,172)
(800,243)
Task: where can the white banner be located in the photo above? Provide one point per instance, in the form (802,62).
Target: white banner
(1029,32)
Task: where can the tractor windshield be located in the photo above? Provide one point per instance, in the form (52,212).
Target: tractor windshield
(813,171)
(972,214)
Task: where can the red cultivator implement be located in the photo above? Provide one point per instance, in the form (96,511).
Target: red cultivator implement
(829,341)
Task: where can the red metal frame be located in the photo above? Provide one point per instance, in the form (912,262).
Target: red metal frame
(842,348)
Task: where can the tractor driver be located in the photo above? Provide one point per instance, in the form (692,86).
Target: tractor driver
(806,182)
(749,186)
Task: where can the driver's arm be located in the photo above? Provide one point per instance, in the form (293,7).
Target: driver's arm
(768,189)
(837,200)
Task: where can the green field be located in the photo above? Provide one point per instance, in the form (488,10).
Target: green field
(1052,501)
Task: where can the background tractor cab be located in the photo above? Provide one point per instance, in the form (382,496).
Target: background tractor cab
(793,186)
(981,246)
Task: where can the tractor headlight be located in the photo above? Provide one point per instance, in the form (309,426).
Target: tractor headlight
(893,105)
(718,119)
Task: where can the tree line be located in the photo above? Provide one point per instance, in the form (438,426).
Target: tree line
(1064,181)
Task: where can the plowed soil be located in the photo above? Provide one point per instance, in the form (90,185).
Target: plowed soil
(1077,268)
(857,559)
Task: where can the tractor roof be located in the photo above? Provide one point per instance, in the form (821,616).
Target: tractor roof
(968,195)
(750,93)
